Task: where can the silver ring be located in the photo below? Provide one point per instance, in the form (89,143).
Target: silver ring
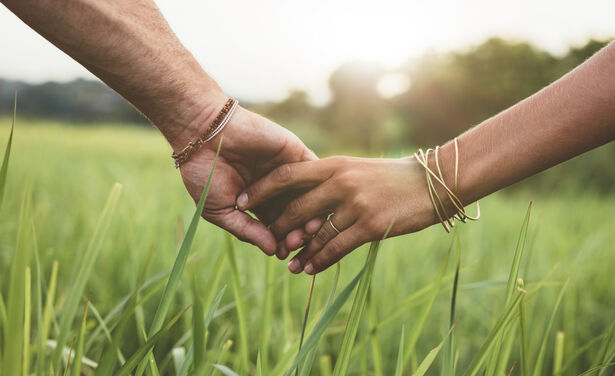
(333,226)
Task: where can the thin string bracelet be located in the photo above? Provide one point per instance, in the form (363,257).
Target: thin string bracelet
(216,126)
(448,222)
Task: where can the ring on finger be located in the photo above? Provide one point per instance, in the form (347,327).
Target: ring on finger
(332,225)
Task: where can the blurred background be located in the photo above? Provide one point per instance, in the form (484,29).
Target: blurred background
(348,77)
(377,78)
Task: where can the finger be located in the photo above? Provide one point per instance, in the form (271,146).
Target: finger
(327,232)
(314,203)
(336,249)
(244,228)
(296,239)
(291,175)
(282,252)
(314,225)
(299,237)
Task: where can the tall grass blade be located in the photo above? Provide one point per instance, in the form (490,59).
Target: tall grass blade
(179,357)
(7,152)
(208,318)
(266,315)
(431,356)
(142,352)
(328,316)
(514,271)
(523,353)
(422,317)
(244,358)
(153,283)
(608,363)
(3,318)
(180,262)
(482,353)
(13,333)
(309,358)
(343,360)
(26,322)
(77,284)
(570,360)
(40,353)
(76,368)
(48,314)
(305,317)
(225,370)
(545,338)
(69,357)
(448,365)
(198,331)
(399,367)
(107,360)
(324,364)
(558,352)
(259,365)
(372,320)
(597,368)
(510,286)
(601,357)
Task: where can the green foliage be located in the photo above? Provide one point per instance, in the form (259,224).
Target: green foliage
(343,361)
(7,153)
(412,284)
(82,274)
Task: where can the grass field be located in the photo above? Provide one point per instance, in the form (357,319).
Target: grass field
(63,175)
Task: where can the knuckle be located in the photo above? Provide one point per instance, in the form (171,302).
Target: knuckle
(324,259)
(283,173)
(360,201)
(339,160)
(333,250)
(295,208)
(322,236)
(374,227)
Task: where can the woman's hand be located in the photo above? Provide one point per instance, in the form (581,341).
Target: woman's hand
(367,196)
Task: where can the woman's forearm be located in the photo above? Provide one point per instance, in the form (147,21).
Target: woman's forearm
(569,117)
(130,46)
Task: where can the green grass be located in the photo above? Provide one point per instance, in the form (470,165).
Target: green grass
(58,182)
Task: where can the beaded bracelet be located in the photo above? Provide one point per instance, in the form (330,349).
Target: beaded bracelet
(447,221)
(214,128)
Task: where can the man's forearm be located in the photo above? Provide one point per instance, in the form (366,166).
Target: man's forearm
(130,46)
(573,115)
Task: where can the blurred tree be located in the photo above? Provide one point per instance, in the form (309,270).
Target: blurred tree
(450,93)
(295,107)
(355,115)
(79,100)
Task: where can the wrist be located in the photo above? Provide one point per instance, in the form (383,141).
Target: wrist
(195,116)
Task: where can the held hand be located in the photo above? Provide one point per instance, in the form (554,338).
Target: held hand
(365,195)
(252,147)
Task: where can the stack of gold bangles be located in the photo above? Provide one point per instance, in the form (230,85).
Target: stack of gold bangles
(447,220)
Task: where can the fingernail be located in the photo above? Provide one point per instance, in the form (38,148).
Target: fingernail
(309,268)
(294,266)
(242,200)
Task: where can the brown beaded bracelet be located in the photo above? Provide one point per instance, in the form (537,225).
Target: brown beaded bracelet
(214,128)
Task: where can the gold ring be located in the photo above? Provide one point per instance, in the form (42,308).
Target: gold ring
(333,226)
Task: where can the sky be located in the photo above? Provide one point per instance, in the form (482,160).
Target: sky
(261,50)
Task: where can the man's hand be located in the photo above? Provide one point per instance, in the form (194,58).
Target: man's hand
(129,46)
(252,147)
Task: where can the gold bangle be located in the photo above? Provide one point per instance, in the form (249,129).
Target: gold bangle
(214,128)
(447,221)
